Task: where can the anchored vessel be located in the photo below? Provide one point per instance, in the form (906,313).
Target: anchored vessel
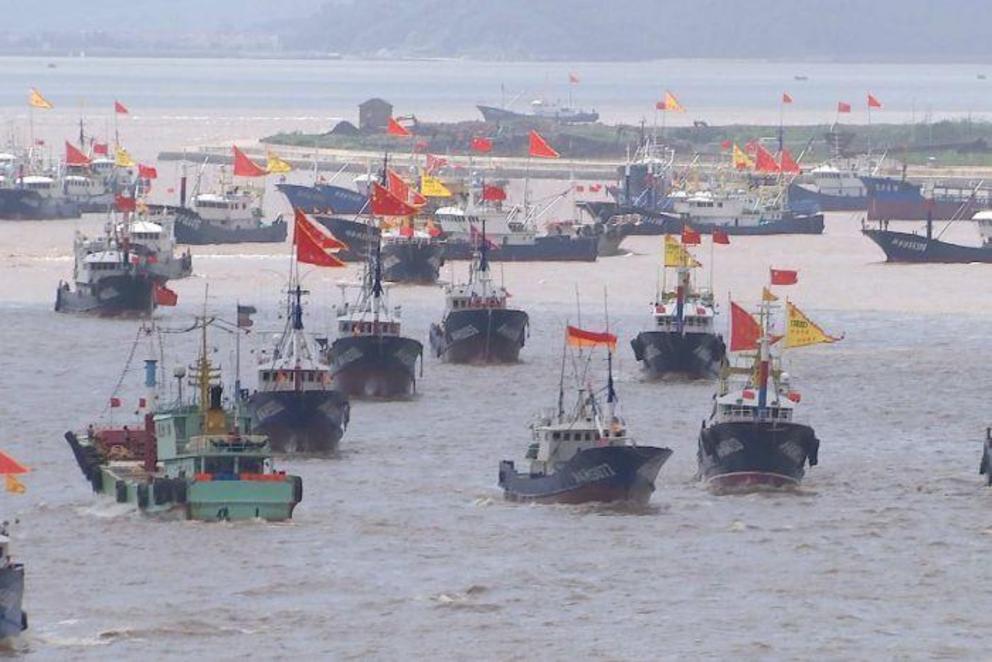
(909,247)
(683,340)
(122,273)
(370,357)
(296,403)
(477,326)
(898,199)
(752,439)
(198,460)
(586,454)
(325,199)
(13,618)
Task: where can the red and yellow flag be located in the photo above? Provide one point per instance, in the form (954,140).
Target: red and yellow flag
(577,337)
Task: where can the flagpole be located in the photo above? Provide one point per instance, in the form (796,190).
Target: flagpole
(869,127)
(781,121)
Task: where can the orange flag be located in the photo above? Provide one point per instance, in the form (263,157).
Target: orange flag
(326,240)
(744,329)
(788,164)
(764,161)
(398,187)
(539,147)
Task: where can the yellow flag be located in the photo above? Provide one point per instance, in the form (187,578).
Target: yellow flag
(766,295)
(741,160)
(671,103)
(13,485)
(676,255)
(35,100)
(275,165)
(432,187)
(801,331)
(123,159)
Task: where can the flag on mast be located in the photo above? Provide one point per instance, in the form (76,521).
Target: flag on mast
(35,100)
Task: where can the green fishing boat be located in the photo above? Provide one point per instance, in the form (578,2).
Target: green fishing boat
(195,460)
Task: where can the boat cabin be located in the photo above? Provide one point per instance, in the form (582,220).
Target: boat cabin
(233,209)
(187,452)
(984,221)
(557,441)
(741,406)
(697,316)
(293,379)
(45,186)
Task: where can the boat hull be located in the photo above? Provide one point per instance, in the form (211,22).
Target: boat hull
(746,455)
(653,223)
(325,199)
(551,248)
(301,421)
(13,618)
(802,199)
(911,248)
(415,260)
(480,336)
(694,355)
(190,228)
(360,238)
(375,366)
(609,474)
(113,296)
(18,204)
(203,497)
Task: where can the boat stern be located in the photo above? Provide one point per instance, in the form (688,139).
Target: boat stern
(270,497)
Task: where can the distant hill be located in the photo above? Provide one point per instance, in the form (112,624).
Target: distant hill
(611,30)
(651,29)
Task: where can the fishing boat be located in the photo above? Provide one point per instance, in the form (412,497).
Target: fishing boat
(34,198)
(194,460)
(914,248)
(370,357)
(737,213)
(831,187)
(540,110)
(753,439)
(584,454)
(478,327)
(897,199)
(985,468)
(682,340)
(325,199)
(13,618)
(94,184)
(296,404)
(411,256)
(512,237)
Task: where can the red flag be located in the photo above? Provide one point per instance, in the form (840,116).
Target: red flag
(385,203)
(406,230)
(482,145)
(421,146)
(245,167)
(764,161)
(572,78)
(744,329)
(721,237)
(142,403)
(726,144)
(125,204)
(164,296)
(101,148)
(786,98)
(843,107)
(435,163)
(327,241)
(581,338)
(492,193)
(784,277)
(402,190)
(147,172)
(394,128)
(433,230)
(74,157)
(539,148)
(115,402)
(9,465)
(788,164)
(309,245)
(873,102)
(119,108)
(690,237)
